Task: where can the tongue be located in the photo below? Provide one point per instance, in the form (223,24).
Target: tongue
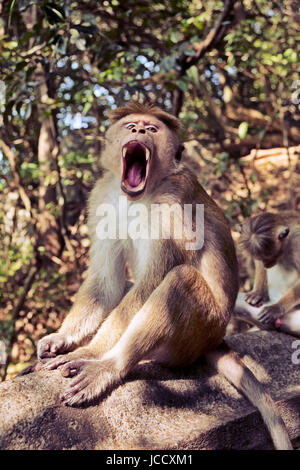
(134,174)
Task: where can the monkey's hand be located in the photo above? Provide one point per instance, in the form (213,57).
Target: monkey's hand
(269,314)
(91,379)
(256,298)
(51,345)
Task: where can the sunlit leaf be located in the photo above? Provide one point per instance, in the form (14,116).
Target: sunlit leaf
(242,130)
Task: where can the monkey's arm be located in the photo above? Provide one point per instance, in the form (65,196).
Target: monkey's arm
(290,300)
(259,293)
(102,290)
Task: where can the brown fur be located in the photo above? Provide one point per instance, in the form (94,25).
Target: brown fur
(181,301)
(259,234)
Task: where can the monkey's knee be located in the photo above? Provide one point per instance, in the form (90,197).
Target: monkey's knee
(183,276)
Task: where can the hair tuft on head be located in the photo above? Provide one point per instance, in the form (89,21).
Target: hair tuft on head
(257,236)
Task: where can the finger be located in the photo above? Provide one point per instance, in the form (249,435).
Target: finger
(54,363)
(266,319)
(33,368)
(28,370)
(70,399)
(80,378)
(262,316)
(43,349)
(71,368)
(256,301)
(46,355)
(74,388)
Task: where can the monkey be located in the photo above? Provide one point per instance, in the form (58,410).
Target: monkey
(183,293)
(273,241)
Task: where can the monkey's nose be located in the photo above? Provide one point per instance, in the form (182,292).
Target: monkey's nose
(142,131)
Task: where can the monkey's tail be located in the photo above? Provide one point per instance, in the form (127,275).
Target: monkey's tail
(237,373)
(252,322)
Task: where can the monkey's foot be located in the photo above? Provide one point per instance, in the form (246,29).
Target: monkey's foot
(54,363)
(91,379)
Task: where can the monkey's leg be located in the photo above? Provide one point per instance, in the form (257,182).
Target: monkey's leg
(259,294)
(179,322)
(102,290)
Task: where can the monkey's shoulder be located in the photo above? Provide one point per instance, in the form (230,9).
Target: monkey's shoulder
(184,183)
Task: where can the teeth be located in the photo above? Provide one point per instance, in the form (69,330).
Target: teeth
(147,153)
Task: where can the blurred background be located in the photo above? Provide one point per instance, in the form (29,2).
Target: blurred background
(228,69)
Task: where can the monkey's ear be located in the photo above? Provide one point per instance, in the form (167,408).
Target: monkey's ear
(283,233)
(179,153)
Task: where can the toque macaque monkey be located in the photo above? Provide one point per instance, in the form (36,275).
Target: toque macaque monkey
(273,241)
(184,293)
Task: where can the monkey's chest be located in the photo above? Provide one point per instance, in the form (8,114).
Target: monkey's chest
(280,280)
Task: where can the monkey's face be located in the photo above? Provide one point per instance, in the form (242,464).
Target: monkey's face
(263,238)
(271,260)
(141,150)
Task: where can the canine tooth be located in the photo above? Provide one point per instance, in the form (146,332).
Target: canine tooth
(147,154)
(124,152)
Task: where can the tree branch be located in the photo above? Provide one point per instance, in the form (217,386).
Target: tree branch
(12,162)
(213,38)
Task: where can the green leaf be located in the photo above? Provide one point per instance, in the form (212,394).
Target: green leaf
(27,112)
(24,4)
(182,85)
(194,74)
(81,44)
(10,45)
(62,45)
(54,13)
(243,129)
(87,107)
(11,9)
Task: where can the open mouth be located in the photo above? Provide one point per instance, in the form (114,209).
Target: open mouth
(136,161)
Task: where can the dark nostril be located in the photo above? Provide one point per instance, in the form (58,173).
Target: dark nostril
(133,130)
(142,131)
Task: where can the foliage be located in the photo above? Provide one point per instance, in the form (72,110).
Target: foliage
(234,85)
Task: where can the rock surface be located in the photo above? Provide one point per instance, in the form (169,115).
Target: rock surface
(158,408)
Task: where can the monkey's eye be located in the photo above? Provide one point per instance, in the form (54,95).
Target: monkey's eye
(131,125)
(152,128)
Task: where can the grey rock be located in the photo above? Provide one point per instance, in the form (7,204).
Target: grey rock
(156,407)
